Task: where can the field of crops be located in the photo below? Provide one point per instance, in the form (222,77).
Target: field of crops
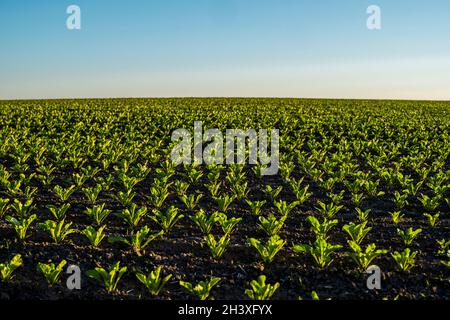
(90,183)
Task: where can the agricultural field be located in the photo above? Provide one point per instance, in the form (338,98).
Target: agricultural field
(90,184)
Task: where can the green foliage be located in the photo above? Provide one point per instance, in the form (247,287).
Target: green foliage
(108,278)
(364,258)
(50,271)
(256,206)
(227,224)
(132,216)
(328,210)
(224,202)
(201,290)
(260,290)
(166,219)
(21,226)
(321,229)
(153,281)
(59,213)
(271,225)
(396,216)
(205,222)
(95,236)
(217,247)
(7,268)
(321,251)
(357,232)
(98,213)
(268,250)
(191,201)
(408,235)
(64,193)
(58,230)
(272,193)
(432,219)
(405,259)
(139,240)
(4,206)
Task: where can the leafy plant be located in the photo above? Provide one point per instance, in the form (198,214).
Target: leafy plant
(191,201)
(224,202)
(203,221)
(285,208)
(21,226)
(270,249)
(364,258)
(95,236)
(227,224)
(408,235)
(260,290)
(363,215)
(430,203)
(444,246)
(139,240)
(92,193)
(132,216)
(432,219)
(7,268)
(125,198)
(4,205)
(271,193)
(166,219)
(23,210)
(59,212)
(400,200)
(405,259)
(396,216)
(321,229)
(256,206)
(153,281)
(62,193)
(217,247)
(58,230)
(98,213)
(357,232)
(271,225)
(202,289)
(50,271)
(321,251)
(109,279)
(329,210)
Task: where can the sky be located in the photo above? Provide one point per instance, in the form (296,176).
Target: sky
(226,48)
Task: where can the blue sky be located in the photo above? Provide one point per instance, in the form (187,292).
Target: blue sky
(281,48)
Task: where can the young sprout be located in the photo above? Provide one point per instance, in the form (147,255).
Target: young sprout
(95,236)
(405,260)
(321,251)
(260,290)
(270,249)
(408,235)
(396,216)
(153,281)
(201,290)
(217,247)
(7,268)
(109,279)
(256,206)
(50,271)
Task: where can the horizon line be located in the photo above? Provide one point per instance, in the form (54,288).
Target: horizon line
(228,97)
